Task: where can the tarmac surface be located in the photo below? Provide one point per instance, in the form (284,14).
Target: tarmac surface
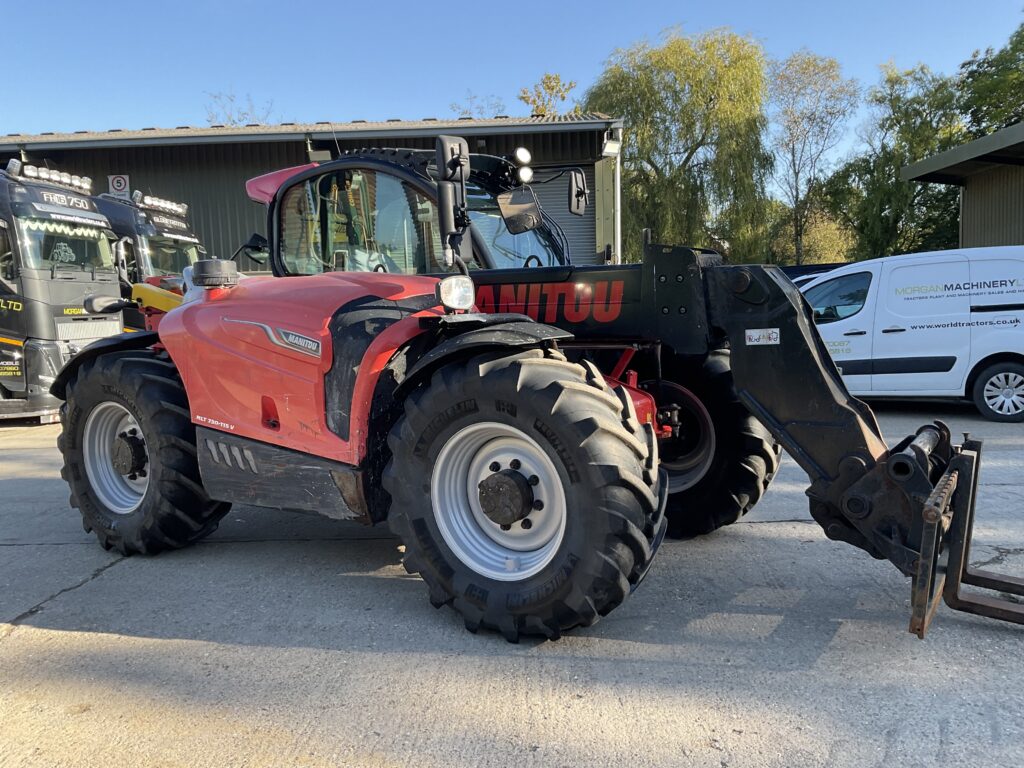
(288,639)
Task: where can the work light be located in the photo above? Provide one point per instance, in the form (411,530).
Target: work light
(456,293)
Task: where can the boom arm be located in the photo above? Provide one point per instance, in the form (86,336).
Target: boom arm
(912,504)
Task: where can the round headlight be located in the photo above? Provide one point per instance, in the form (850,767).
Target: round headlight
(456,292)
(525,174)
(522,156)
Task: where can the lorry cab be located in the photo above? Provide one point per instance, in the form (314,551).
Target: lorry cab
(939,324)
(155,241)
(56,248)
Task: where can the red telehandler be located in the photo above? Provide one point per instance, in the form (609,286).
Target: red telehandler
(515,453)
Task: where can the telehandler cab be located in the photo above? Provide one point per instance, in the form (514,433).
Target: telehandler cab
(254,390)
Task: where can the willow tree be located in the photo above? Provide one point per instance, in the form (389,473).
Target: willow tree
(694,158)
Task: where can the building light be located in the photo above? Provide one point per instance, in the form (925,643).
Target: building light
(611,146)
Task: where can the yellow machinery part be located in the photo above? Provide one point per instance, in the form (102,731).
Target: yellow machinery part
(151,297)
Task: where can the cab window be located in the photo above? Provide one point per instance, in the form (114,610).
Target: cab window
(358,220)
(839,298)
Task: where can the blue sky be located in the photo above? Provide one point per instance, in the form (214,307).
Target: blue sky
(99,65)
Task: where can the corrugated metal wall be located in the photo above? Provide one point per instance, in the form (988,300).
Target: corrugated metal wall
(579,230)
(992,208)
(210,178)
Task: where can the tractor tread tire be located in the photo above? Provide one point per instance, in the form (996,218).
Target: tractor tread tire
(175,511)
(748,456)
(611,548)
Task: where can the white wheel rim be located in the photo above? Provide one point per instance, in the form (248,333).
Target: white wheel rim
(464,462)
(1004,393)
(120,493)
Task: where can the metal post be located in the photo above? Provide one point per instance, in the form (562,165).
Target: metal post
(618,199)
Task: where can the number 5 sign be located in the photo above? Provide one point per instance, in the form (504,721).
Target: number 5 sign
(119,186)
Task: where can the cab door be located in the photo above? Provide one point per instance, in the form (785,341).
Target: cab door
(922,332)
(843,312)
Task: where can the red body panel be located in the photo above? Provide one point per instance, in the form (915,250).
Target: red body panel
(242,379)
(262,189)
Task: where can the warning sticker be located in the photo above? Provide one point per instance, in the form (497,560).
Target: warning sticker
(760,336)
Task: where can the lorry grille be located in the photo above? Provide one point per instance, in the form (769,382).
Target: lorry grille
(88,330)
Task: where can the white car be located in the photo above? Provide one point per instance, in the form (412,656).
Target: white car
(940,324)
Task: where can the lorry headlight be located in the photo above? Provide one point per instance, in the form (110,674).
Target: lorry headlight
(525,174)
(456,292)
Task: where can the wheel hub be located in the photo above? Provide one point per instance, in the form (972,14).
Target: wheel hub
(129,454)
(506,497)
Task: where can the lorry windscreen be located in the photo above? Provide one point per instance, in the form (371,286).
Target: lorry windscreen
(47,244)
(507,250)
(168,256)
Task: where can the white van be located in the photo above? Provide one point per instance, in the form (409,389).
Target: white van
(939,324)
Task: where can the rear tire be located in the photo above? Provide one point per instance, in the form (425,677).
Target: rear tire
(129,411)
(998,392)
(717,478)
(558,426)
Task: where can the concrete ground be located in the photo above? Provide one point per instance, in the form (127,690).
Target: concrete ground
(292,640)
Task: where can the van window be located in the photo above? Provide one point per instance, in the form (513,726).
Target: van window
(839,298)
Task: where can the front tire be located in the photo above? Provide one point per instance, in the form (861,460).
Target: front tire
(521,494)
(130,459)
(998,392)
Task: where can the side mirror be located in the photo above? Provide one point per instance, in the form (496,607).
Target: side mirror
(256,248)
(520,210)
(452,159)
(105,305)
(579,195)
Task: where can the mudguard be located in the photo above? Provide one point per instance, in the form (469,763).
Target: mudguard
(137,340)
(481,332)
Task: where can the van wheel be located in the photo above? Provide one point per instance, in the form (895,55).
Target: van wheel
(999,392)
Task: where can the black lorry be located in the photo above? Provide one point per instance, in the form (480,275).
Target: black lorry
(155,242)
(56,248)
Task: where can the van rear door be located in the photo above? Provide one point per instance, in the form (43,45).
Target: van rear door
(922,343)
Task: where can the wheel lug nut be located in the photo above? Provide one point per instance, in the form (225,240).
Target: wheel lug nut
(515,464)
(534,480)
(538,505)
(506,527)
(495,467)
(527,524)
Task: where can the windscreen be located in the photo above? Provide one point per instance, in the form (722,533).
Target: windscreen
(58,245)
(168,256)
(535,248)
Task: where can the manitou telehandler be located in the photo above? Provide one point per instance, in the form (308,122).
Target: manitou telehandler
(55,249)
(523,484)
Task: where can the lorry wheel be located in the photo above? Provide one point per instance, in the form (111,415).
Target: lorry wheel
(724,459)
(999,392)
(519,493)
(130,455)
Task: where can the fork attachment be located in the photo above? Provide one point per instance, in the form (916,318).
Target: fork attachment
(944,564)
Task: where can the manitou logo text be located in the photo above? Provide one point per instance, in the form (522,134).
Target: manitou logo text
(600,301)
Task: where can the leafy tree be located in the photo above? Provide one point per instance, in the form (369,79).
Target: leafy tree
(694,159)
(825,240)
(812,102)
(478,106)
(545,97)
(991,86)
(224,108)
(914,115)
